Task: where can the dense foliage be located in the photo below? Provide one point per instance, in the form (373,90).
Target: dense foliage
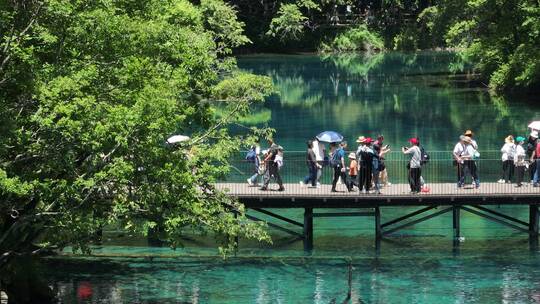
(500,37)
(89,93)
(352,40)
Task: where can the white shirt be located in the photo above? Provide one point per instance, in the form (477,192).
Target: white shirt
(464,150)
(460,150)
(318,149)
(279,160)
(508,151)
(519,156)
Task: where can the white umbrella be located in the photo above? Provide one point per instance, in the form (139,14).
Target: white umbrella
(177,138)
(330,137)
(535,125)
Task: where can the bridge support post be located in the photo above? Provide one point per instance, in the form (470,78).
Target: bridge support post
(308,229)
(456,223)
(378,229)
(533,222)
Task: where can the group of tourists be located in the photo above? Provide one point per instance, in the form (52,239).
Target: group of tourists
(518,155)
(268,166)
(365,169)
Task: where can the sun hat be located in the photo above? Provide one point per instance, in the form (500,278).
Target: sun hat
(520,138)
(360,139)
(352,155)
(468,133)
(509,139)
(534,134)
(414,141)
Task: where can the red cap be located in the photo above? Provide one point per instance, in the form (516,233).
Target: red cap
(368,140)
(413,141)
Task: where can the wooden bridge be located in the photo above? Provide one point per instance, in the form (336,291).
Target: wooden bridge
(442,198)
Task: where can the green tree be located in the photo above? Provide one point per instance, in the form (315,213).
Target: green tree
(89,92)
(500,37)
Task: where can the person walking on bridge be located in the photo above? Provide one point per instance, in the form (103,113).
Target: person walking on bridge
(311,161)
(520,160)
(463,154)
(272,169)
(320,152)
(531,147)
(471,164)
(535,158)
(415,165)
(253,157)
(353,171)
(337,161)
(508,151)
(381,150)
(364,156)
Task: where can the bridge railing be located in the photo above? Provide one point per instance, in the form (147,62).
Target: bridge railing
(439,175)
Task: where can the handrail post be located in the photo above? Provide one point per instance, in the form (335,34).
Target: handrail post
(308,229)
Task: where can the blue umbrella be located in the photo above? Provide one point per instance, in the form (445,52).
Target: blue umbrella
(330,137)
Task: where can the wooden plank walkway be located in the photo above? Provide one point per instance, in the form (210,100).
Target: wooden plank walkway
(441,199)
(296,195)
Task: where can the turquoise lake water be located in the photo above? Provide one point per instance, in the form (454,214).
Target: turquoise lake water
(399,95)
(424,94)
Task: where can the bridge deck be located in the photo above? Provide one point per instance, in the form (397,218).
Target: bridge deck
(296,195)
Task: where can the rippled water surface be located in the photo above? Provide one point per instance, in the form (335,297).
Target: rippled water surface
(493,264)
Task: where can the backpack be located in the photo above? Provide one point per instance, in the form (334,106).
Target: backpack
(424,156)
(335,160)
(251,156)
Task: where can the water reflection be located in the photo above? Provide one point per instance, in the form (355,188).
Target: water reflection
(392,279)
(426,94)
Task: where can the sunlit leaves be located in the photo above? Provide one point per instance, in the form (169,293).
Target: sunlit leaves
(98,88)
(289,23)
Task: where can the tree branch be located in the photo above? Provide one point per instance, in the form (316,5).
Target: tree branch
(31,22)
(219,124)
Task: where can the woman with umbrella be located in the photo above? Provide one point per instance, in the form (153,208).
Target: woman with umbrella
(337,155)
